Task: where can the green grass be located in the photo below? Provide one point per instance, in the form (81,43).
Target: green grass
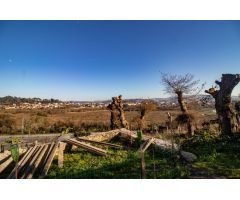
(121,164)
(218,157)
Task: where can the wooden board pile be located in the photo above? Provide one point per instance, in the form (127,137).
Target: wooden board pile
(37,158)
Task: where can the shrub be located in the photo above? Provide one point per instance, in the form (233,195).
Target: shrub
(139,138)
(185,118)
(6,124)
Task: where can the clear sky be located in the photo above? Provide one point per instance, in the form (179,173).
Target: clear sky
(95,60)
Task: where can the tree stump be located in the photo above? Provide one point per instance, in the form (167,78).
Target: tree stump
(117,113)
(123,120)
(223,102)
(113,107)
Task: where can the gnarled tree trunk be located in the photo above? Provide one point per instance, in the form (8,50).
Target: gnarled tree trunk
(223,103)
(123,120)
(184,110)
(117,113)
(113,107)
(181,102)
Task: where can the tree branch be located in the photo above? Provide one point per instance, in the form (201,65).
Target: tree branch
(212,92)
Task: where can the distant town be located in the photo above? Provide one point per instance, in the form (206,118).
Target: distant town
(9,103)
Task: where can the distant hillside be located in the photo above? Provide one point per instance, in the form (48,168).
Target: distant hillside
(15,100)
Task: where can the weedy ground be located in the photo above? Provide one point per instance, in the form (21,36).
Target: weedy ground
(218,157)
(121,164)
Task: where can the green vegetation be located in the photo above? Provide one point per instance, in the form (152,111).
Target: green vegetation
(9,100)
(6,124)
(218,157)
(121,164)
(139,138)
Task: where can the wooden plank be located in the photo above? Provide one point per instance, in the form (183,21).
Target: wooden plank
(30,165)
(142,146)
(148,144)
(49,161)
(143,166)
(87,147)
(4,157)
(101,143)
(37,163)
(142,150)
(5,163)
(61,149)
(23,161)
(28,161)
(50,147)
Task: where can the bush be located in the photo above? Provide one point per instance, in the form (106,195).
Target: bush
(42,114)
(60,126)
(185,118)
(6,124)
(94,127)
(139,138)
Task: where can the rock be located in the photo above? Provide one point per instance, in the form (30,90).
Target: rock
(165,145)
(189,157)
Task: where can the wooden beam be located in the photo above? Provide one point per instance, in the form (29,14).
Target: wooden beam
(101,143)
(49,161)
(87,147)
(5,163)
(30,165)
(143,165)
(37,163)
(146,144)
(47,153)
(61,149)
(23,161)
(142,150)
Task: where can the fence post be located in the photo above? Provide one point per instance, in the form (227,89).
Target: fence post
(61,149)
(2,148)
(143,165)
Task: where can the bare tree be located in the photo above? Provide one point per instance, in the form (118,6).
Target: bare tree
(223,103)
(180,85)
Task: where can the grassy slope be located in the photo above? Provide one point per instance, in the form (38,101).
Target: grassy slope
(122,164)
(217,158)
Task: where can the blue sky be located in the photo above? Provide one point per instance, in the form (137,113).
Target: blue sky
(95,60)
